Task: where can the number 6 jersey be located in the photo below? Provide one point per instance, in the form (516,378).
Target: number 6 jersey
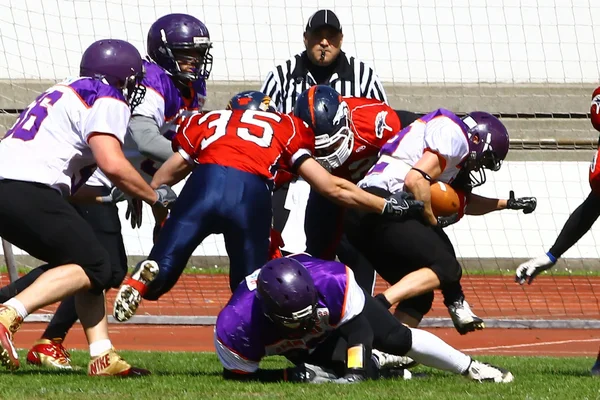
(248,140)
(49,142)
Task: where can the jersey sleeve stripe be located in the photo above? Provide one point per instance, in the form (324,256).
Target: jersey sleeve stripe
(346,289)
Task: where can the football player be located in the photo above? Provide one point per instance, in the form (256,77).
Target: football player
(233,154)
(349,132)
(179,63)
(292,305)
(433,148)
(579,222)
(47,155)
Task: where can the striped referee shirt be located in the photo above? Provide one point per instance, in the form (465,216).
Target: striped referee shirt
(351,78)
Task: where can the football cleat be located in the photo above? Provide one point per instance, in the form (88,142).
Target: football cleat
(130,293)
(49,353)
(10,322)
(464,319)
(386,360)
(482,372)
(110,363)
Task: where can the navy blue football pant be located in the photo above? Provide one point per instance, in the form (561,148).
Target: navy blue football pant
(323,226)
(215,199)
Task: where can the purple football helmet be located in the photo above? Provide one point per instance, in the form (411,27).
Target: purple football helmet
(288,294)
(251,100)
(175,40)
(488,145)
(119,64)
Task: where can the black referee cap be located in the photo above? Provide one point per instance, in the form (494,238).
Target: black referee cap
(323,18)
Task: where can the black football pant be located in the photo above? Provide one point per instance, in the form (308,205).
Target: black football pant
(104,220)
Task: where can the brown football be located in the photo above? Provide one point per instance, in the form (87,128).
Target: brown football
(445,200)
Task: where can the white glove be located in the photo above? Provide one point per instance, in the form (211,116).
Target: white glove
(310,373)
(527,271)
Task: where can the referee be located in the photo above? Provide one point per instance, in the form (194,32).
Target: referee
(322,63)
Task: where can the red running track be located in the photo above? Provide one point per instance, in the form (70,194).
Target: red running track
(489,296)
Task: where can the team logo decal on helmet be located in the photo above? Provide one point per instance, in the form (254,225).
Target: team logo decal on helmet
(251,100)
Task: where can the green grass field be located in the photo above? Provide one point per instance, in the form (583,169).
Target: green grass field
(197,376)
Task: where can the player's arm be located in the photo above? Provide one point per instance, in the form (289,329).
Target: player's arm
(418,181)
(337,189)
(111,160)
(177,167)
(146,134)
(479,205)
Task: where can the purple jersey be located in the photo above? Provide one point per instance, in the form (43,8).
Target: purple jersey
(244,335)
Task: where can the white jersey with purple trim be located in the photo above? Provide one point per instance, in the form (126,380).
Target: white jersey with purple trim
(49,142)
(164,104)
(440,132)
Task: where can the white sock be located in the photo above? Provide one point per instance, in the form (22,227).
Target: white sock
(99,347)
(430,350)
(17,305)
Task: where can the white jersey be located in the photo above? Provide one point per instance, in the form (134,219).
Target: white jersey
(164,104)
(49,142)
(440,132)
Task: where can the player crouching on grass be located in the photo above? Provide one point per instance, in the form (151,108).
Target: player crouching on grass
(415,255)
(293,304)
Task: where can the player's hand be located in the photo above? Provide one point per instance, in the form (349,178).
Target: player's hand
(402,204)
(310,373)
(349,378)
(527,271)
(134,212)
(166,196)
(115,196)
(443,222)
(527,204)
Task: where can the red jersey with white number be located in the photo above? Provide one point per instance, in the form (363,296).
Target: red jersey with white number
(373,123)
(248,140)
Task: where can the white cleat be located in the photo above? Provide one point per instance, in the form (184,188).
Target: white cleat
(130,293)
(386,360)
(482,372)
(464,319)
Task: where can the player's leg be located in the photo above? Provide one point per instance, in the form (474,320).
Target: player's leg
(12,289)
(191,220)
(323,226)
(578,224)
(49,351)
(360,265)
(390,336)
(246,224)
(596,367)
(411,311)
(39,220)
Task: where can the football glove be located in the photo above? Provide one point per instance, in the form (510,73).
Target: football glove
(115,196)
(527,204)
(349,378)
(134,212)
(402,204)
(310,373)
(527,271)
(166,196)
(443,222)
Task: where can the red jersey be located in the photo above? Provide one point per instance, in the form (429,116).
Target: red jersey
(373,123)
(248,140)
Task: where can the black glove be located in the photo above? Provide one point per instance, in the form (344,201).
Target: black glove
(443,222)
(115,196)
(402,204)
(134,212)
(166,196)
(310,373)
(527,204)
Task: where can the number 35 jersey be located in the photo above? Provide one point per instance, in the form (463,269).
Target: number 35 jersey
(49,142)
(248,140)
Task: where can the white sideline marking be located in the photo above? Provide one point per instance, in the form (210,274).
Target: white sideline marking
(514,346)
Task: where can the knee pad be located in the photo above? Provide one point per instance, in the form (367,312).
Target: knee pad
(398,341)
(417,306)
